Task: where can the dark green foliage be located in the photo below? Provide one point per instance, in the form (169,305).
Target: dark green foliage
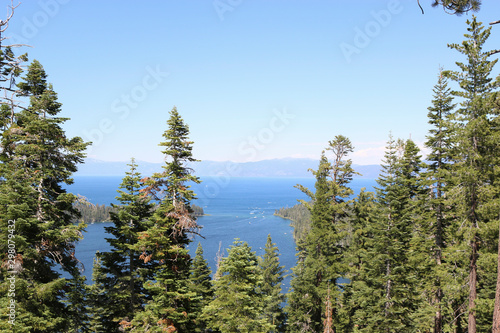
(120,274)
(437,309)
(305,306)
(321,263)
(272,274)
(238,304)
(164,242)
(384,288)
(354,298)
(90,213)
(98,299)
(201,285)
(77,298)
(300,216)
(475,196)
(197,210)
(36,159)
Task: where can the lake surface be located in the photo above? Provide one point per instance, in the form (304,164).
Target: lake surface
(236,208)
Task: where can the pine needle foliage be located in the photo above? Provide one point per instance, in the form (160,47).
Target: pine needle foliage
(36,160)
(273,274)
(165,240)
(121,272)
(238,304)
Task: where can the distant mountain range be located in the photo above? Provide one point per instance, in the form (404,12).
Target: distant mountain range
(284,167)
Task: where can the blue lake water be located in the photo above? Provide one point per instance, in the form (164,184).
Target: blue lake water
(236,208)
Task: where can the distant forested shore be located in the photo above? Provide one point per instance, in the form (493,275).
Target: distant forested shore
(300,218)
(91,213)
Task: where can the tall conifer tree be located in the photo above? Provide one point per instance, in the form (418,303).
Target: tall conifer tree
(164,242)
(357,293)
(238,305)
(36,160)
(98,298)
(201,285)
(122,272)
(474,171)
(386,285)
(272,273)
(324,247)
(440,141)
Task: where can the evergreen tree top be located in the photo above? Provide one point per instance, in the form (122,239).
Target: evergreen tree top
(474,77)
(172,183)
(35,80)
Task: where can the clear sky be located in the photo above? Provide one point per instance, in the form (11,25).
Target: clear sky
(253,79)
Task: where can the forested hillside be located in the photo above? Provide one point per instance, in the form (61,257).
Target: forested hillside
(300,218)
(91,213)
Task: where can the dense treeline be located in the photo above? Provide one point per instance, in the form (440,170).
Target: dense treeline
(420,254)
(197,210)
(300,218)
(91,213)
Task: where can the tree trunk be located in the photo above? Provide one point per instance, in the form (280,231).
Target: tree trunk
(388,289)
(438,319)
(496,310)
(131,271)
(473,288)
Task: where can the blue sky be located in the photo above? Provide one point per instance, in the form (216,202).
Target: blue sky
(253,79)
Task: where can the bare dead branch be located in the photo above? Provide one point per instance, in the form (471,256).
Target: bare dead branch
(418,2)
(9,16)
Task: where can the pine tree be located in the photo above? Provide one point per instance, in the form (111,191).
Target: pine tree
(474,169)
(385,288)
(357,292)
(324,246)
(36,159)
(164,242)
(238,304)
(328,323)
(98,298)
(77,300)
(122,273)
(300,297)
(201,285)
(272,273)
(440,141)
